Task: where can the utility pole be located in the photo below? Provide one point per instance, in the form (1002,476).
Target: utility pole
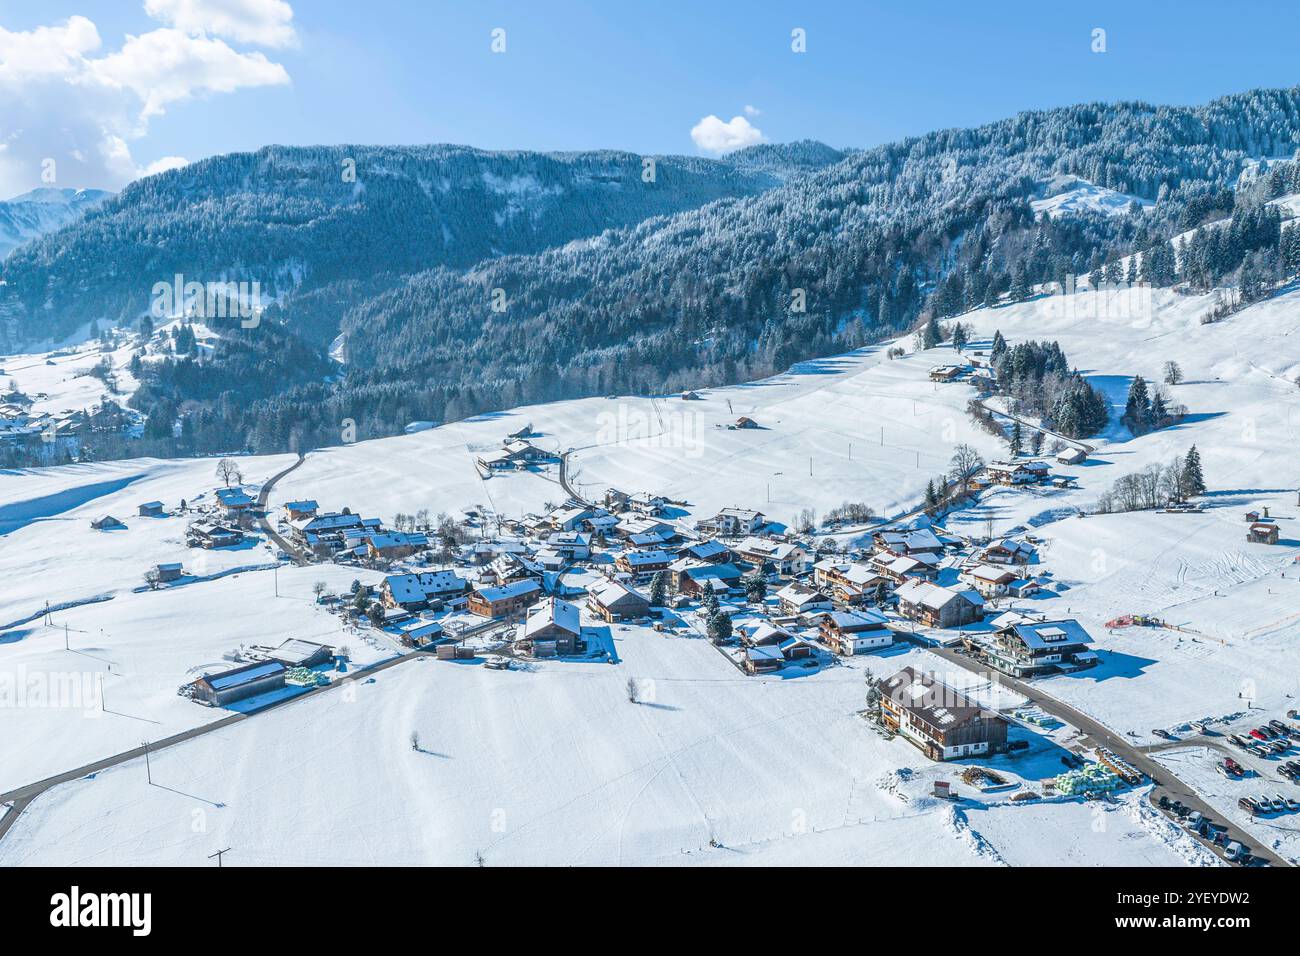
(148,770)
(218,856)
(65,637)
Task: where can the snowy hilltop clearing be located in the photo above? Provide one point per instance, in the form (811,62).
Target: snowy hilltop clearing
(553,764)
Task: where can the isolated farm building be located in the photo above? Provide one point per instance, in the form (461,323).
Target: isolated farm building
(210,536)
(300,510)
(414,592)
(854,632)
(745,422)
(296,652)
(107,523)
(234,500)
(1025,648)
(786,558)
(169,572)
(732,522)
(553,627)
(797,598)
(714,552)
(914,542)
(690,576)
(946,373)
(1007,551)
(151,509)
(525,432)
(239,683)
(526,452)
(1071,456)
(988,580)
(1262,532)
(942,722)
(936,606)
(497,460)
(643,565)
(689,396)
(613,601)
(507,600)
(1016,472)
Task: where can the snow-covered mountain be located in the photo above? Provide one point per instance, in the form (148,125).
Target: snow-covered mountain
(35,213)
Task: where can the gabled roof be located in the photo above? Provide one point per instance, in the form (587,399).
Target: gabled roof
(934,702)
(1042,635)
(304,505)
(637,558)
(413,588)
(242,675)
(608,591)
(553,611)
(513,589)
(866,619)
(933,596)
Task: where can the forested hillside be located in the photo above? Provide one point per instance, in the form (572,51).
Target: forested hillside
(844,251)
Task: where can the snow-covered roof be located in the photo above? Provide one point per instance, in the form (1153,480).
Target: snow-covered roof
(1042,635)
(553,611)
(513,589)
(607,591)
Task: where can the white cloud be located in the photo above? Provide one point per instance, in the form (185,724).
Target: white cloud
(163,164)
(714,136)
(71,111)
(166,66)
(264,22)
(752,110)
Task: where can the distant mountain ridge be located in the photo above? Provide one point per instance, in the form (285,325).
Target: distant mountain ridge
(298,219)
(33,214)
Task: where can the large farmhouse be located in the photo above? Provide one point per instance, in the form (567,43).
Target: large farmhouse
(936,606)
(942,722)
(1027,648)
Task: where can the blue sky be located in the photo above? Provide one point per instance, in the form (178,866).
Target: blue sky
(580,75)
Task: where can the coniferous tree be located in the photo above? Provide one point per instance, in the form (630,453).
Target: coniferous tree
(1193,478)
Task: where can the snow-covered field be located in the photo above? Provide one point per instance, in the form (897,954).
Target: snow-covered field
(553,764)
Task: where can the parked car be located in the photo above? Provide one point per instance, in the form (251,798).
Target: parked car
(1280,727)
(1249,805)
(1235,852)
(1258,734)
(1160,732)
(1281,746)
(1200,727)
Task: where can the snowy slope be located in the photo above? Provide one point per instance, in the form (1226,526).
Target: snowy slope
(1070,195)
(35,213)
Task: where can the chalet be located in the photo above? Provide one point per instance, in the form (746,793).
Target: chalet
(600,523)
(107,523)
(850,583)
(497,460)
(914,542)
(507,600)
(552,628)
(643,565)
(234,500)
(513,567)
(936,606)
(328,532)
(644,503)
(210,536)
(643,529)
(1262,532)
(300,510)
(151,509)
(733,522)
(1024,587)
(1013,473)
(946,373)
(854,632)
(900,568)
(690,576)
(239,683)
(942,722)
(1007,551)
(568,518)
(169,572)
(526,452)
(784,557)
(1026,648)
(714,552)
(614,601)
(689,396)
(1071,456)
(988,580)
(616,501)
(570,545)
(767,647)
(798,598)
(746,423)
(394,545)
(414,592)
(417,632)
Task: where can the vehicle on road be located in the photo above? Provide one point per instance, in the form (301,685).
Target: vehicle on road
(1235,852)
